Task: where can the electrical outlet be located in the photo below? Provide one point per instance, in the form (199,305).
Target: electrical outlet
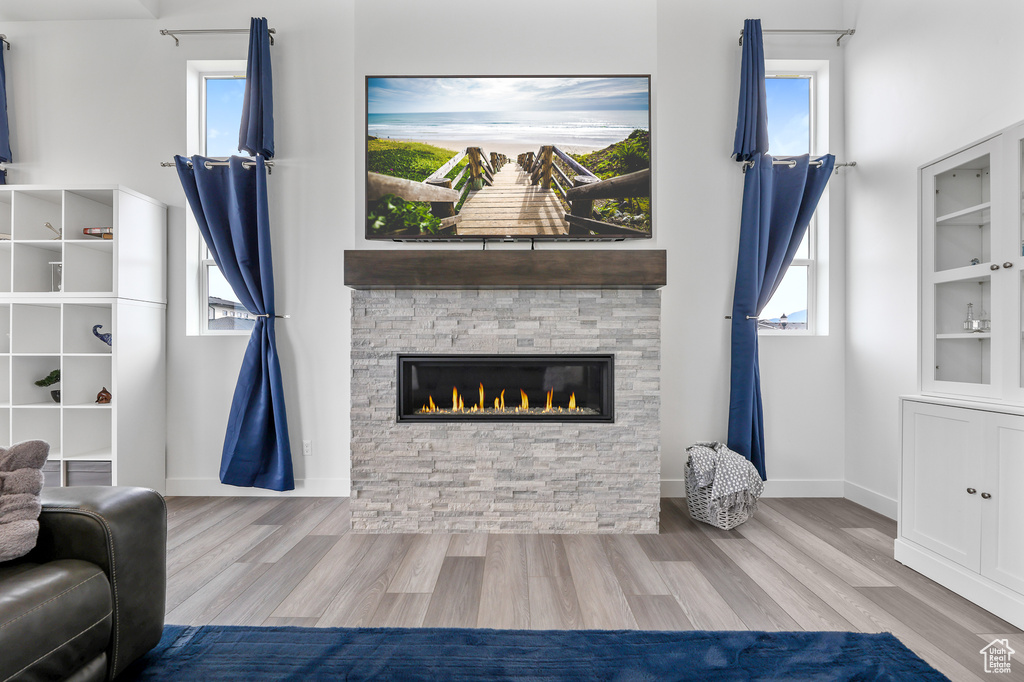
(307,448)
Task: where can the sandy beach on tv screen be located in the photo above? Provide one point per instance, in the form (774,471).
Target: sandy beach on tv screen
(510,149)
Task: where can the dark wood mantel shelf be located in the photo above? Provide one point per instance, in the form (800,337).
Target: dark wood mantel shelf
(551,269)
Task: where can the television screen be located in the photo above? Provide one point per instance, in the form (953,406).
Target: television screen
(501,157)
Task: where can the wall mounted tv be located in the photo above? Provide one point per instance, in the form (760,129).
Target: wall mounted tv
(508,158)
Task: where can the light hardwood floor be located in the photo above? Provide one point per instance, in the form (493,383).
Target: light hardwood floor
(800,564)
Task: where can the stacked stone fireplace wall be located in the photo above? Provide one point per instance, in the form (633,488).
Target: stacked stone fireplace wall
(501,476)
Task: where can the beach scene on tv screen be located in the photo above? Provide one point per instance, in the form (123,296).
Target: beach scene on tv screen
(498,157)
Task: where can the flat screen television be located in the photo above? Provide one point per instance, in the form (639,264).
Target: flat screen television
(508,157)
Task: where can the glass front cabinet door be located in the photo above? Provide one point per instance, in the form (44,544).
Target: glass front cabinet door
(972,288)
(959,285)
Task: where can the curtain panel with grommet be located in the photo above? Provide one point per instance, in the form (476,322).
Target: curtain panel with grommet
(256,132)
(778,203)
(230,205)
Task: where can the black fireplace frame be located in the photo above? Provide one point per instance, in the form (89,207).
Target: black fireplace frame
(607,415)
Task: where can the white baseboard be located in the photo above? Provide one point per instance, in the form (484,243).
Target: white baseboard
(673,487)
(886,506)
(676,487)
(212,487)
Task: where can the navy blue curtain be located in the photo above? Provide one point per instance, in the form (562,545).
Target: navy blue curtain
(778,202)
(230,205)
(5,131)
(256,133)
(752,119)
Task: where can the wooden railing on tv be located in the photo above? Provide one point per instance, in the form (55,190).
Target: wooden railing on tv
(440,197)
(579,193)
(478,172)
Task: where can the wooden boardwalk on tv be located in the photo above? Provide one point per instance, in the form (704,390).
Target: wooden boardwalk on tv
(512,206)
(526,198)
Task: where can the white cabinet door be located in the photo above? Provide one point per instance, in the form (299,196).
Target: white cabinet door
(1003,510)
(963,202)
(942,463)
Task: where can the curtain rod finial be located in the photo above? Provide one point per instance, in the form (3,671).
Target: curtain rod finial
(165,32)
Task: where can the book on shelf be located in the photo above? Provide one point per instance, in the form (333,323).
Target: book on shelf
(99,232)
(5,236)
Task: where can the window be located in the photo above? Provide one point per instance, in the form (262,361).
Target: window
(793,130)
(222,112)
(215,93)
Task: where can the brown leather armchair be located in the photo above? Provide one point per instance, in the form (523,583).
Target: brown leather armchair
(89,599)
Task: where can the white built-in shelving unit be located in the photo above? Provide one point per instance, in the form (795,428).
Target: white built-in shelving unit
(46,323)
(962,464)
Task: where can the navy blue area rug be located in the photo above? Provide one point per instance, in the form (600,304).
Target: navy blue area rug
(289,653)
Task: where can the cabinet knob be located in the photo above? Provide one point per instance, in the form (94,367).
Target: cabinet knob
(1008,264)
(985,496)
(971,491)
(993,267)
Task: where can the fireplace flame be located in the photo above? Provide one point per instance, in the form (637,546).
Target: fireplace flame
(459,404)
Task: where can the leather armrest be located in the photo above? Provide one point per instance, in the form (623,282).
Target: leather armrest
(124,532)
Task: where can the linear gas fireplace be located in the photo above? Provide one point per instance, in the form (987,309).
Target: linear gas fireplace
(527,472)
(556,388)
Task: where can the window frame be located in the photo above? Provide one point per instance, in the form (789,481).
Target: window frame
(198,257)
(817,231)
(205,298)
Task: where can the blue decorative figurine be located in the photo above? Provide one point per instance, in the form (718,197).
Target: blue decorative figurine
(105,338)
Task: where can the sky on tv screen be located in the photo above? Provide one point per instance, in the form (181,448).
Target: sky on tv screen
(592,111)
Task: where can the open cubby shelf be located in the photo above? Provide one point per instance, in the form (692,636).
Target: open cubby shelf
(63,332)
(55,290)
(32,253)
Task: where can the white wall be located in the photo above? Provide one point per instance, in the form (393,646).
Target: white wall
(104,102)
(919,85)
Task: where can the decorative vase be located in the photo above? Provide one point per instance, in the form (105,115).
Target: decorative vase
(103,397)
(104,337)
(56,276)
(55,394)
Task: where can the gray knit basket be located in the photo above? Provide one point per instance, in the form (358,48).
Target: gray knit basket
(698,501)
